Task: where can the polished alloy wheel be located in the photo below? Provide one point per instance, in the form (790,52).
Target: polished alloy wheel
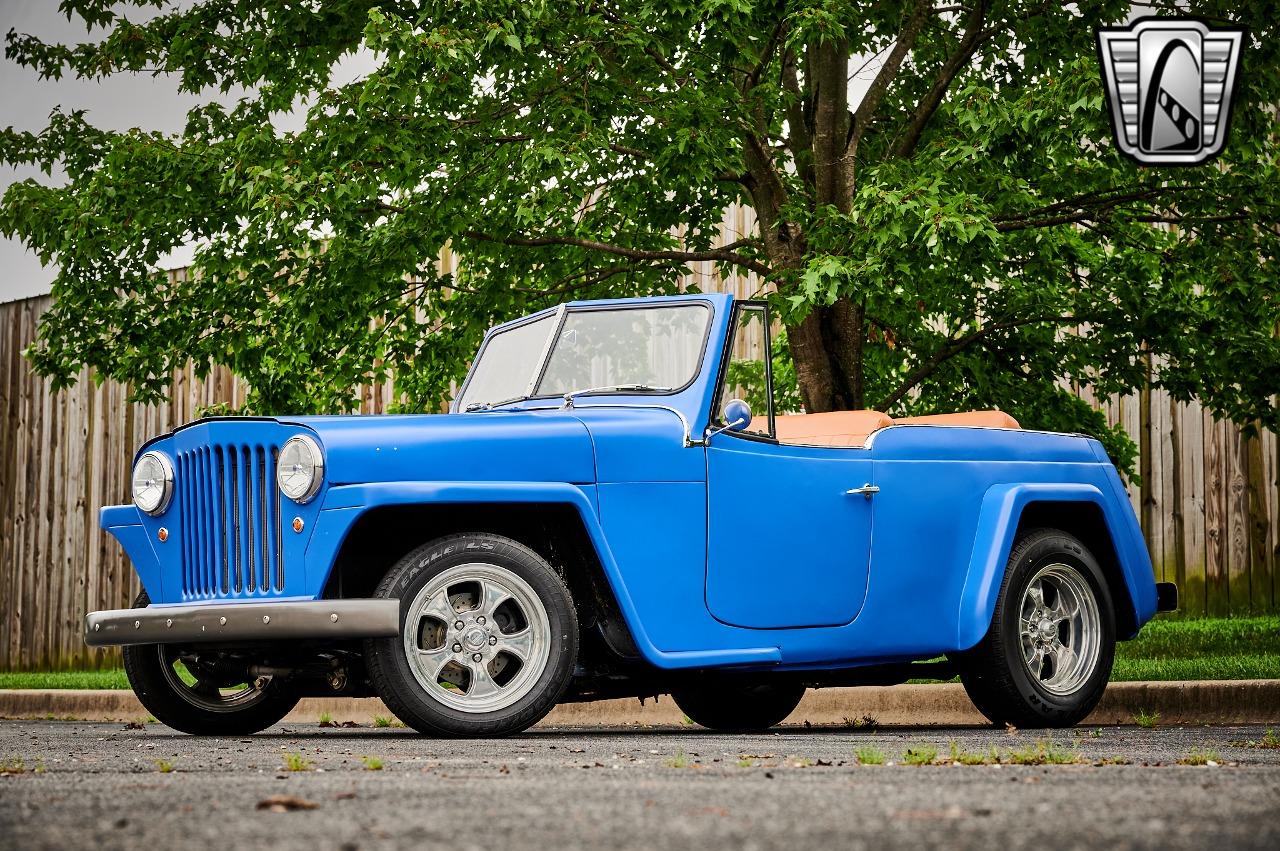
(477,637)
(1060,629)
(200,689)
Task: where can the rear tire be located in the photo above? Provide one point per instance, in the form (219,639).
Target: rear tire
(488,638)
(1047,656)
(728,708)
(205,708)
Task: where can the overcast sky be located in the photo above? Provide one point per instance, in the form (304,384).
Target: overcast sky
(117,103)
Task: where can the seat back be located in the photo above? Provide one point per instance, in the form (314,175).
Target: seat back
(834,428)
(971,419)
(850,429)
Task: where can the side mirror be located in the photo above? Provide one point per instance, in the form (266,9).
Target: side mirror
(737,415)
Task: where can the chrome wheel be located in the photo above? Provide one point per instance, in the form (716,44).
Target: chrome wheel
(477,637)
(1060,629)
(201,690)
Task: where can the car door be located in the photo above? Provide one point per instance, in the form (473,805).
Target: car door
(788,529)
(788,545)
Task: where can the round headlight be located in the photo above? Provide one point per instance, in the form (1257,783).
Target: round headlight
(300,468)
(153,482)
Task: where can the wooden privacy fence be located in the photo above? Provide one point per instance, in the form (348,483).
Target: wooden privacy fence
(1209,505)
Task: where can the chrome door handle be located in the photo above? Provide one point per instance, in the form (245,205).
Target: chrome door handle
(866,490)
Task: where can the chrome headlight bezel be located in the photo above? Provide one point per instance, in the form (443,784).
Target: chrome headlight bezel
(317,468)
(165,480)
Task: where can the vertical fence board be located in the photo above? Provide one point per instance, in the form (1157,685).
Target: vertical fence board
(1192,572)
(1258,523)
(1216,519)
(1238,593)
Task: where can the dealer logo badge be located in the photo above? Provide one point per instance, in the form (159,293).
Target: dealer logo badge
(1169,85)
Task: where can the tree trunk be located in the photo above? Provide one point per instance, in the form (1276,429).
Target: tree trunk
(827,350)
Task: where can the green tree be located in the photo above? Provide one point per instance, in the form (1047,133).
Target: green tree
(967,235)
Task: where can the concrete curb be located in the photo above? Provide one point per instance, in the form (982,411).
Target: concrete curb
(946,705)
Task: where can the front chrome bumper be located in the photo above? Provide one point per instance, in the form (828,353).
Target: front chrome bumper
(244,622)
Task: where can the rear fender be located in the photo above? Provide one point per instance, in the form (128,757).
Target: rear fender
(998,519)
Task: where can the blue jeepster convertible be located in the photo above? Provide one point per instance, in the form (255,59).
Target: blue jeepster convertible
(603,514)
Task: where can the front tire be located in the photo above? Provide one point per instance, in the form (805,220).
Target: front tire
(488,638)
(194,700)
(1047,656)
(731,708)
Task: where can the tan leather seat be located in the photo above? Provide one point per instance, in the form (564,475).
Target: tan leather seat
(850,429)
(972,419)
(834,428)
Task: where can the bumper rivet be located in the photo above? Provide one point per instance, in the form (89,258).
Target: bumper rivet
(222,621)
(266,618)
(333,618)
(137,624)
(168,623)
(97,626)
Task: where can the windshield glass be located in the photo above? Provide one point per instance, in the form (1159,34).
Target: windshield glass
(503,371)
(657,347)
(653,347)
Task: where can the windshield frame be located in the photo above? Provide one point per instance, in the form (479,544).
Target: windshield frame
(561,313)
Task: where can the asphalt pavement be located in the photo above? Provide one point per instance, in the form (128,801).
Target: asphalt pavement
(68,785)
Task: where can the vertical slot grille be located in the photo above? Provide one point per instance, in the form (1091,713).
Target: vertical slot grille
(229,506)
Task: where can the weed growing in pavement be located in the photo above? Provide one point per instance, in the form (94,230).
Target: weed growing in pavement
(1146,720)
(678,761)
(869,756)
(371,763)
(13,765)
(1200,756)
(381,721)
(966,758)
(164,766)
(920,755)
(1269,742)
(686,721)
(326,719)
(866,722)
(296,762)
(1044,752)
(745,763)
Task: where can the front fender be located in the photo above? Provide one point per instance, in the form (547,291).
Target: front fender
(1002,508)
(124,523)
(344,504)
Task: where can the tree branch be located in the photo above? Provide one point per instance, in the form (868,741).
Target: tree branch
(955,347)
(888,72)
(1081,208)
(726,254)
(972,37)
(766,56)
(799,139)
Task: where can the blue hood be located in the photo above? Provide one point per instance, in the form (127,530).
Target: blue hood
(527,446)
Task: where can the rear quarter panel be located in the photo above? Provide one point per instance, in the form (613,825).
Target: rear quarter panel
(947,515)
